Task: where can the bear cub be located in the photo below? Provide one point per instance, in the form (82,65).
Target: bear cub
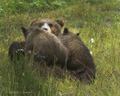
(80,59)
(16,49)
(45,45)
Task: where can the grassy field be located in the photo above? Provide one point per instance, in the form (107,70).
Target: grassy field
(98,25)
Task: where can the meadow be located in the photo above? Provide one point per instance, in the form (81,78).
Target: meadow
(98,23)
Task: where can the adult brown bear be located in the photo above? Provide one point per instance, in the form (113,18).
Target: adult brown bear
(50,25)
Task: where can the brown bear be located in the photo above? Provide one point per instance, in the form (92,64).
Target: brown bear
(45,46)
(51,70)
(49,25)
(80,59)
(16,49)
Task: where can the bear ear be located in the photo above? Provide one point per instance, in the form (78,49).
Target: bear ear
(60,22)
(65,31)
(77,34)
(32,22)
(24,30)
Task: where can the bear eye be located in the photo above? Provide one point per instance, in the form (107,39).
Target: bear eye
(51,25)
(41,24)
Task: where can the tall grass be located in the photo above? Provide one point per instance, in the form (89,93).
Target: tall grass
(99,22)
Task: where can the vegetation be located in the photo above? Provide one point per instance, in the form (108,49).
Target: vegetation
(98,23)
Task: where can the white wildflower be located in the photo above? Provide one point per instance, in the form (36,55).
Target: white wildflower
(60,94)
(91,52)
(92,40)
(1,9)
(21,2)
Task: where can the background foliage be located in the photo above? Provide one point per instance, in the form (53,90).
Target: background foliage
(22,6)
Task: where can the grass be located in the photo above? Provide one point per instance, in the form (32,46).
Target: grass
(99,21)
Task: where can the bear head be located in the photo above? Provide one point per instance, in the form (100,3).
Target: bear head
(49,25)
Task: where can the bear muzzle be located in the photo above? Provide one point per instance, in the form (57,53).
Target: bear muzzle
(46,27)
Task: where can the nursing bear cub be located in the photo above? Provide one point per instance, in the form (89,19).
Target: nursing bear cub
(16,49)
(45,46)
(80,59)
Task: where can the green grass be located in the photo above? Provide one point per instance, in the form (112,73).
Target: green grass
(31,6)
(99,21)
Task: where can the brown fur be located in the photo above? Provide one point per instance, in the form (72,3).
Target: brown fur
(16,49)
(80,59)
(46,46)
(56,29)
(56,25)
(50,70)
